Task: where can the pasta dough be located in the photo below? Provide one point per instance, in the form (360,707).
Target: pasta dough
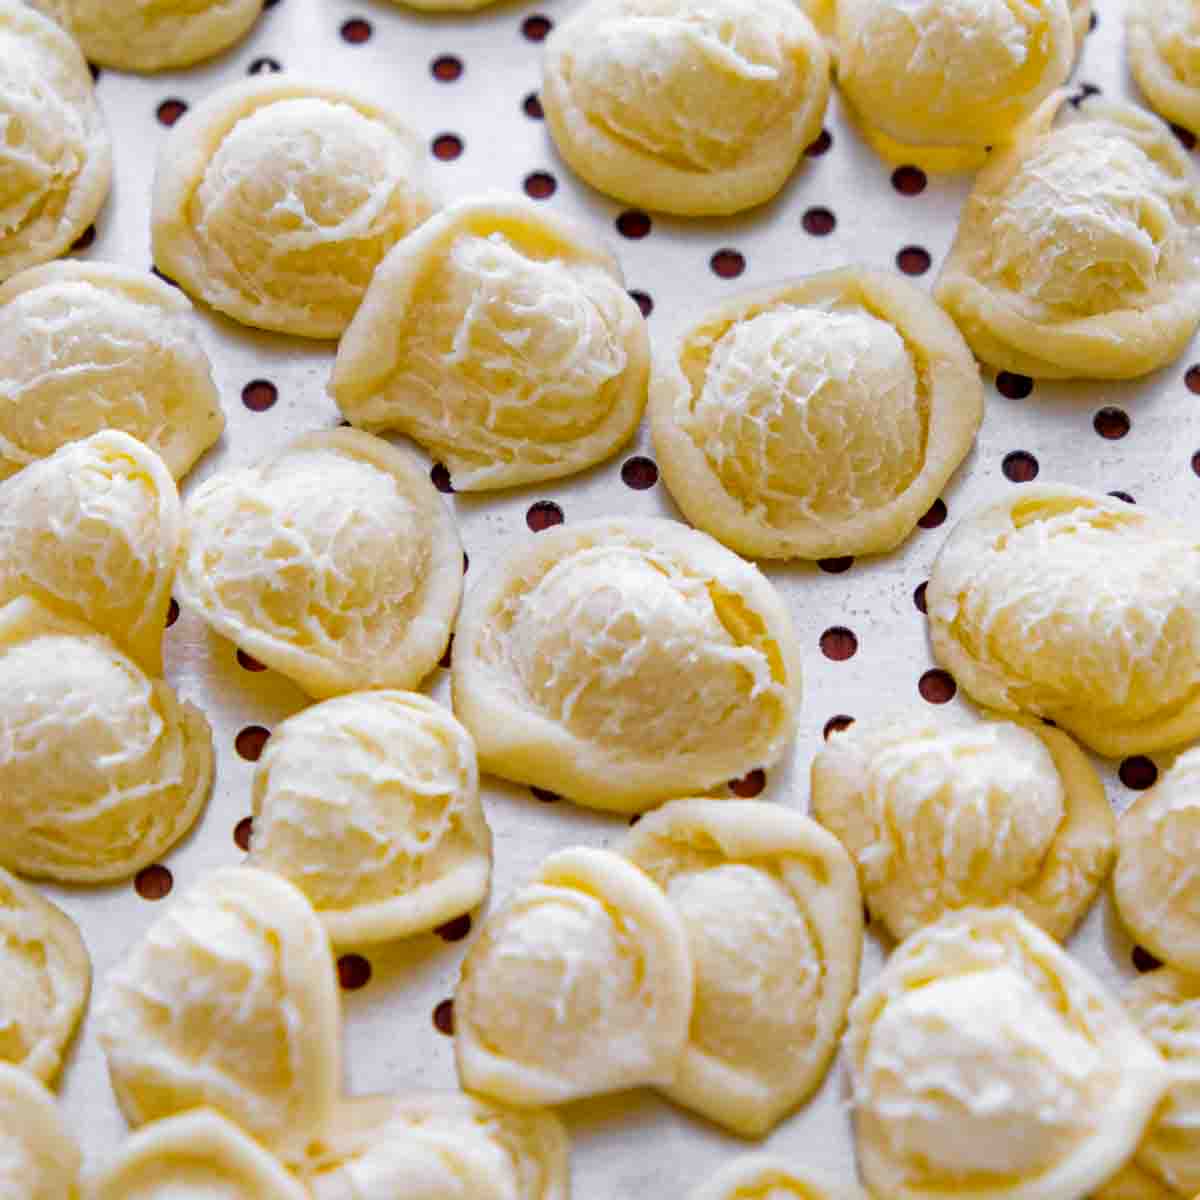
(333,561)
(694,108)
(1077,607)
(39,1157)
(231,1001)
(1078,251)
(90,346)
(45,978)
(55,156)
(580,984)
(624,662)
(197,1156)
(369,804)
(1163,39)
(408,1147)
(1155,884)
(941,81)
(986,1061)
(102,769)
(94,531)
(766,1177)
(774,922)
(501,338)
(153,35)
(817,418)
(942,814)
(275,201)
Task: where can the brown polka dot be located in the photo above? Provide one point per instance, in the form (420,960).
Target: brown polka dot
(839,643)
(536,28)
(447,658)
(836,566)
(643,301)
(1014,387)
(154,882)
(447,147)
(1123,496)
(356,31)
(1187,139)
(259,395)
(1196,463)
(1086,91)
(242,832)
(639,473)
(439,475)
(819,222)
(455,930)
(635,224)
(727,263)
(914,260)
(1192,379)
(172,612)
(545,514)
(749,785)
(1138,773)
(541,185)
(354,972)
(443,1018)
(85,239)
(1143,960)
(1111,423)
(96,72)
(634,819)
(1019,466)
(264,66)
(446,68)
(170,110)
(250,742)
(836,725)
(466,562)
(1093,21)
(531,106)
(247,663)
(935,516)
(545,796)
(919,596)
(937,686)
(909,181)
(821,145)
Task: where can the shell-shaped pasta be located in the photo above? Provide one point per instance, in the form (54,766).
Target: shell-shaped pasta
(334,561)
(1163,42)
(373,1142)
(941,814)
(688,107)
(94,531)
(1071,605)
(501,338)
(229,1001)
(274,202)
(39,1156)
(102,768)
(369,804)
(580,984)
(45,979)
(153,35)
(91,346)
(774,922)
(624,662)
(769,1177)
(199,1155)
(941,80)
(987,1062)
(816,418)
(1078,251)
(1155,884)
(55,157)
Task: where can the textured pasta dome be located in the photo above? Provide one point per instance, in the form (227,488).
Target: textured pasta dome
(1163,41)
(39,1156)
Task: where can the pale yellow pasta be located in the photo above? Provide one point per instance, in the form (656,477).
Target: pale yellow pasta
(1163,39)
(39,1156)
(771,1177)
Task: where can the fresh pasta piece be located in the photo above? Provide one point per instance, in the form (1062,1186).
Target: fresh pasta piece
(102,769)
(94,531)
(45,979)
(1163,41)
(153,35)
(406,1147)
(229,1001)
(769,1177)
(1081,21)
(92,346)
(1155,884)
(39,1156)
(199,1155)
(500,337)
(941,81)
(333,561)
(55,155)
(369,804)
(625,662)
(986,1062)
(274,202)
(1071,605)
(1078,251)
(580,984)
(940,814)
(773,917)
(816,418)
(697,108)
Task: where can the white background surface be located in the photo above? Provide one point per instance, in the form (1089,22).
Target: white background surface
(633,1145)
